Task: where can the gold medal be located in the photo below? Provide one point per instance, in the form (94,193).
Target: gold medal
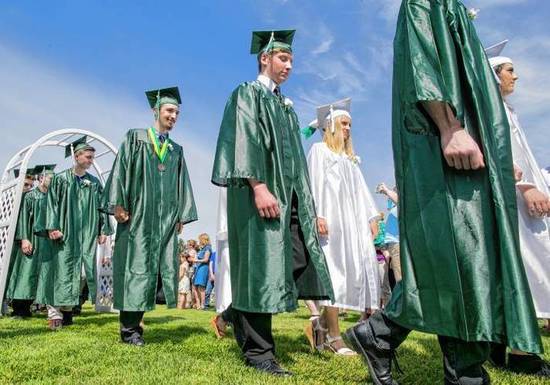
(161,167)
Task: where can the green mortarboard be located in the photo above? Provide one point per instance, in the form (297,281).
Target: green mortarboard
(77,145)
(162,96)
(16,172)
(263,41)
(43,169)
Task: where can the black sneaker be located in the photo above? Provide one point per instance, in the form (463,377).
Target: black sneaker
(528,364)
(360,339)
(135,339)
(270,367)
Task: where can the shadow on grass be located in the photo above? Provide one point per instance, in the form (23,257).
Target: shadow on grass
(175,335)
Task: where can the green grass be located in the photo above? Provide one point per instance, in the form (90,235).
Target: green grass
(181,349)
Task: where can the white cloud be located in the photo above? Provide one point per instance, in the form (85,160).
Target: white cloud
(38,99)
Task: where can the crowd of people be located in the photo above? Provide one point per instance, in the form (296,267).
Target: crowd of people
(449,256)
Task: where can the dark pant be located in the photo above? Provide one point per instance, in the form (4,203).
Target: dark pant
(21,307)
(253,330)
(129,324)
(462,360)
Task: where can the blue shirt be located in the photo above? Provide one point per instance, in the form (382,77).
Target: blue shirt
(392,224)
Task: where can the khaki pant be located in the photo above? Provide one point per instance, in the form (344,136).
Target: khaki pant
(395,261)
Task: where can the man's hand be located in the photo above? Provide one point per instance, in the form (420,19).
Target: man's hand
(26,247)
(322,226)
(55,234)
(101,239)
(461,151)
(121,215)
(518,174)
(266,203)
(179,227)
(537,202)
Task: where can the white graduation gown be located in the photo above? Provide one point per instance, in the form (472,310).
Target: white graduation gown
(223,278)
(342,197)
(534,232)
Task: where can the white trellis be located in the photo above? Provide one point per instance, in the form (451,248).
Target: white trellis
(11,191)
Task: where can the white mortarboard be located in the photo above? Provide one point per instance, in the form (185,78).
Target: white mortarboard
(326,115)
(494,54)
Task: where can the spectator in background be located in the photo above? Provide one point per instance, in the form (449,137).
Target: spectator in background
(201,270)
(382,256)
(184,285)
(392,230)
(190,255)
(211,280)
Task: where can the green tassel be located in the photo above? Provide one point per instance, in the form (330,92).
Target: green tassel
(308,131)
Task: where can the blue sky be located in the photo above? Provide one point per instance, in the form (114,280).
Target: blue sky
(86,64)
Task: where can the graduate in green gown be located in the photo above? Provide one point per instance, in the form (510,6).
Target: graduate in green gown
(463,277)
(275,256)
(24,273)
(150,195)
(21,307)
(75,225)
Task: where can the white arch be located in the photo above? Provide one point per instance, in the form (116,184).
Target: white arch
(11,192)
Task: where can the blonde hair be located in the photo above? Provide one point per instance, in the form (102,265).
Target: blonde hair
(335,141)
(204,239)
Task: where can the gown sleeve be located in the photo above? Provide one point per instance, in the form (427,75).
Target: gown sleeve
(25,221)
(240,154)
(117,188)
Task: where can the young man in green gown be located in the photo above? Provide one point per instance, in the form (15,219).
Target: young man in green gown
(463,277)
(75,225)
(150,195)
(23,278)
(275,257)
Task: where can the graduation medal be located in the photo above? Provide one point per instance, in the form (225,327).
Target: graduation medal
(160,151)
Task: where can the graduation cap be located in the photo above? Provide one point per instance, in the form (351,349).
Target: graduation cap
(494,54)
(157,98)
(77,145)
(43,169)
(265,41)
(326,115)
(28,174)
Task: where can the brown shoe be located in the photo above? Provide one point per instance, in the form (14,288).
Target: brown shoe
(315,334)
(55,324)
(219,325)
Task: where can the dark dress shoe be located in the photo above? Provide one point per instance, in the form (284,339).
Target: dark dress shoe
(497,358)
(67,318)
(528,364)
(270,367)
(134,339)
(360,339)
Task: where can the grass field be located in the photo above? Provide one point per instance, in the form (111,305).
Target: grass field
(181,349)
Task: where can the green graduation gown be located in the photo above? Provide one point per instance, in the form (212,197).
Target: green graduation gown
(156,200)
(260,138)
(24,273)
(72,208)
(462,270)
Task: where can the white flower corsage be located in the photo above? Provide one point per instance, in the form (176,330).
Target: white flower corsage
(170,147)
(288,102)
(356,159)
(472,13)
(86,182)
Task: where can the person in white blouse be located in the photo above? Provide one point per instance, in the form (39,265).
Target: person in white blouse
(344,208)
(533,200)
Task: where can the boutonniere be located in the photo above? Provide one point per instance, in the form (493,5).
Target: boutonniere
(170,147)
(86,182)
(288,102)
(355,159)
(472,13)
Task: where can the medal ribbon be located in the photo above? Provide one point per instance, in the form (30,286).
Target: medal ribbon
(160,151)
